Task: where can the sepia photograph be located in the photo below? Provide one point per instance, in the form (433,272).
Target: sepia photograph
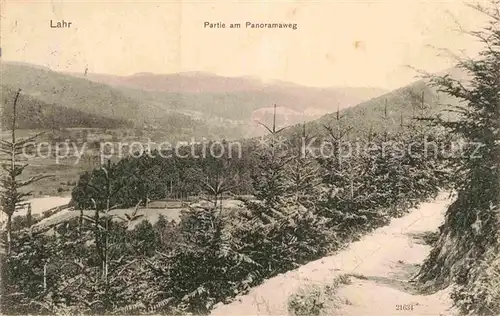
(227,158)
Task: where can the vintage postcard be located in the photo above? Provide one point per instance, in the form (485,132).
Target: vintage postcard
(250,157)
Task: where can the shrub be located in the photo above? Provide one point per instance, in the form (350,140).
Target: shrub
(470,233)
(480,294)
(316,299)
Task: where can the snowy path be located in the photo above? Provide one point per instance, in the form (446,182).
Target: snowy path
(383,260)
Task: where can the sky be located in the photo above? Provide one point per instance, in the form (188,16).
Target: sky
(337,43)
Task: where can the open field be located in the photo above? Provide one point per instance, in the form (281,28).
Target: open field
(62,166)
(171,210)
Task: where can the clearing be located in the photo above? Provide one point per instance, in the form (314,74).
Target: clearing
(380,264)
(171,210)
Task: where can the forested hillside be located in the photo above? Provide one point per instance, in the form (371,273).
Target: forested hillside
(388,112)
(50,97)
(82,95)
(36,114)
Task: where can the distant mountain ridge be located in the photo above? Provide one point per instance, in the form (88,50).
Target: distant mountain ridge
(204,104)
(208,104)
(236,98)
(198,81)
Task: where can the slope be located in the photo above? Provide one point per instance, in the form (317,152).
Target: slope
(384,113)
(380,266)
(36,114)
(50,98)
(88,97)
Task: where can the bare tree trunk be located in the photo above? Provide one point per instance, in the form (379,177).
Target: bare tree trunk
(45,277)
(29,217)
(97,238)
(12,197)
(106,232)
(80,223)
(12,173)
(9,233)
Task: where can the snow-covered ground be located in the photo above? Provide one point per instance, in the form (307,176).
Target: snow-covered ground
(40,205)
(151,214)
(382,261)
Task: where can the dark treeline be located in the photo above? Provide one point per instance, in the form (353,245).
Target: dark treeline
(155,176)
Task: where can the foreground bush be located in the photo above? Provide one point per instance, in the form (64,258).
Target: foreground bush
(466,254)
(480,295)
(317,300)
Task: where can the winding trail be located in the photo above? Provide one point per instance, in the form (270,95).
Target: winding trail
(382,263)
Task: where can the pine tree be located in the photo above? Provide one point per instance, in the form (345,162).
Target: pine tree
(304,174)
(270,180)
(12,198)
(345,181)
(472,222)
